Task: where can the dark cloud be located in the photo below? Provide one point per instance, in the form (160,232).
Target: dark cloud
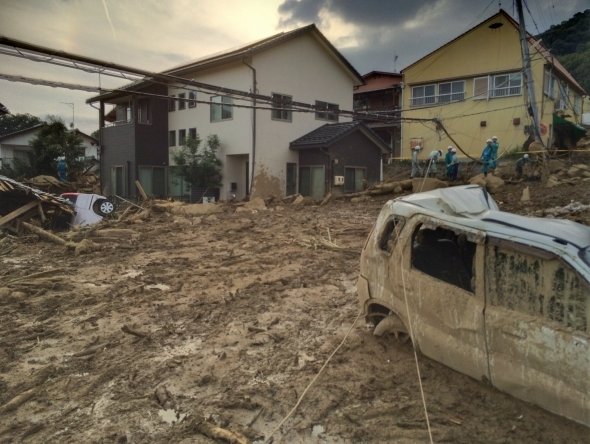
(410,29)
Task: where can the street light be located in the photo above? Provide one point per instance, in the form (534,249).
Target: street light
(73,120)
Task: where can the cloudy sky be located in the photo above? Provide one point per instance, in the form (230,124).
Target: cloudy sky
(155,35)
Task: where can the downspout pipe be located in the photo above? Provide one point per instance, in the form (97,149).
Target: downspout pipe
(254,92)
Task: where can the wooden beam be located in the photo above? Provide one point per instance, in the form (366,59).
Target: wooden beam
(140,189)
(18,212)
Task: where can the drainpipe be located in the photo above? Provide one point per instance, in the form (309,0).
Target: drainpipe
(254,91)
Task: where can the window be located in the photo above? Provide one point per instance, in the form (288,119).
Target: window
(326,111)
(548,84)
(480,88)
(221,108)
(354,179)
(444,255)
(182,137)
(192,99)
(390,234)
(577,104)
(118,181)
(181,101)
(171,104)
(562,102)
(143,111)
(192,133)
(451,91)
(506,84)
(536,282)
(172,138)
(283,103)
(153,180)
(423,95)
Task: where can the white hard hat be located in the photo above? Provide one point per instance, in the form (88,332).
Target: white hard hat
(417,147)
(489,141)
(526,156)
(450,147)
(454,150)
(495,138)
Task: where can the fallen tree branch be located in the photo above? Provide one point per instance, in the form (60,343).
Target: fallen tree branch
(44,234)
(131,331)
(91,350)
(215,432)
(18,400)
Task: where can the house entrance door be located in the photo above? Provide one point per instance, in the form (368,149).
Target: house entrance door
(312,181)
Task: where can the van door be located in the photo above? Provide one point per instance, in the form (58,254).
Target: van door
(537,328)
(446,296)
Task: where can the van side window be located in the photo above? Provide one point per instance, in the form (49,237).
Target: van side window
(536,282)
(390,234)
(444,255)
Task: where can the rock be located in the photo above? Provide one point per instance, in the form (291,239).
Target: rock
(19,294)
(406,184)
(427,184)
(574,171)
(301,200)
(298,200)
(526,195)
(490,182)
(478,180)
(554,166)
(360,199)
(398,190)
(582,166)
(493,183)
(196,209)
(553,181)
(256,204)
(4,291)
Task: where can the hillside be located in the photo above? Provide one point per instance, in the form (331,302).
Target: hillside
(570,42)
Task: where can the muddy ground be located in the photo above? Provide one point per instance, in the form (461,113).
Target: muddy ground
(227,319)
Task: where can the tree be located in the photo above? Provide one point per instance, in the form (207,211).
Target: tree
(200,167)
(11,123)
(55,140)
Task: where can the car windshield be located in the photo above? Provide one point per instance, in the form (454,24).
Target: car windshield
(585,255)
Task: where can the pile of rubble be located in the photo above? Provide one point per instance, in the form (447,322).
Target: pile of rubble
(23,207)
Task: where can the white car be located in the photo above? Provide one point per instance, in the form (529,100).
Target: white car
(90,208)
(500,297)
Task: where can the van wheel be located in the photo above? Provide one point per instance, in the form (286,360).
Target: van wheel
(104,207)
(392,324)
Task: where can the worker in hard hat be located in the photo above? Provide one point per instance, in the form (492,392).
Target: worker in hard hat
(454,166)
(448,158)
(416,167)
(520,163)
(486,157)
(494,154)
(433,158)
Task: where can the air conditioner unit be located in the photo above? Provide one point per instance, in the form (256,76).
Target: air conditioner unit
(338,180)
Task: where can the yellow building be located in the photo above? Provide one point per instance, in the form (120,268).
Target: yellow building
(474,86)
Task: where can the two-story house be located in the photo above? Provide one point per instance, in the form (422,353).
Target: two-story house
(378,103)
(474,85)
(278,76)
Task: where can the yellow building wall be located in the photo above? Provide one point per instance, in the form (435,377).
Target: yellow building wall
(479,52)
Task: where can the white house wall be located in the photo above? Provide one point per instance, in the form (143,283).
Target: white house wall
(303,69)
(300,68)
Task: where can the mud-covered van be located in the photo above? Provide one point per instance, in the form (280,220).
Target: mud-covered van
(500,297)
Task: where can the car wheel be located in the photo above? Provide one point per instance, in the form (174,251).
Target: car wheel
(104,207)
(392,324)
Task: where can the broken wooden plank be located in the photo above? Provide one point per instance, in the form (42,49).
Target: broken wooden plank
(144,196)
(18,212)
(41,212)
(44,234)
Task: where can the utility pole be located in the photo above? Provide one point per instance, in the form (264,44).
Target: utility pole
(528,76)
(72,125)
